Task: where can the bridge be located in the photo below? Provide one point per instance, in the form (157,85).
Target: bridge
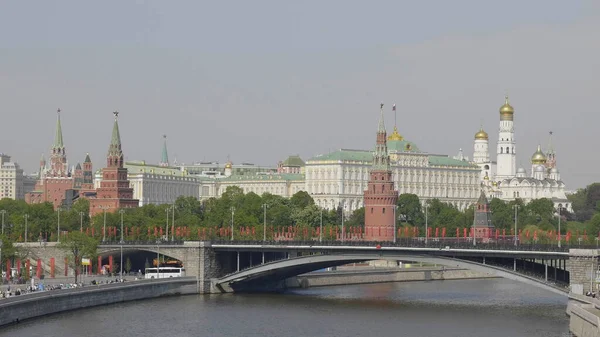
(246,266)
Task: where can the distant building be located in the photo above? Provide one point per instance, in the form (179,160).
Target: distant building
(482,222)
(11,179)
(293,164)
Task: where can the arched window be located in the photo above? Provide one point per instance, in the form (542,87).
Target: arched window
(371,210)
(384,210)
(507,151)
(501,150)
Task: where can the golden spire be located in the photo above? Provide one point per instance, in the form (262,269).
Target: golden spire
(506,111)
(481,134)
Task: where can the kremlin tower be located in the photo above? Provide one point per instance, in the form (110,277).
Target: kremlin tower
(380,197)
(114,191)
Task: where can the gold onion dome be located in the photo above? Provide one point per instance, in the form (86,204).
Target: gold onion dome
(228,165)
(481,134)
(538,157)
(506,111)
(395,135)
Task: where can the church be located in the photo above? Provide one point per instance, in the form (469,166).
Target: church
(501,179)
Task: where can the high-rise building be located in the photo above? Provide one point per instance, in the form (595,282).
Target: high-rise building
(11,179)
(380,196)
(114,191)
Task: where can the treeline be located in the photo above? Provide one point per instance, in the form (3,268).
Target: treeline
(247,210)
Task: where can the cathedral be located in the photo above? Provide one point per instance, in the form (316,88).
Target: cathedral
(502,179)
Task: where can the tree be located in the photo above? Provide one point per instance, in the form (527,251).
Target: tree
(128,265)
(78,245)
(409,209)
(301,200)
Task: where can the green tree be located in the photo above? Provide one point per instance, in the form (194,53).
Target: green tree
(78,245)
(301,200)
(409,209)
(128,265)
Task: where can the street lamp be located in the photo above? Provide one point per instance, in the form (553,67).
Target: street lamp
(516,233)
(173,223)
(395,219)
(321,228)
(2,212)
(343,205)
(265,222)
(559,228)
(167,231)
(58,229)
(26,216)
(81,221)
(121,211)
(232,212)
(1,279)
(426,223)
(104,228)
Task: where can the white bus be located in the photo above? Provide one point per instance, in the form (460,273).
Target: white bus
(164,272)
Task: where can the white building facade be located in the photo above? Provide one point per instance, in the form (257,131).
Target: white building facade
(508,183)
(11,179)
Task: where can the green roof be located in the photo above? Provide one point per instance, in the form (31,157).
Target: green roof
(439,160)
(142,167)
(345,155)
(264,177)
(402,146)
(58,138)
(295,161)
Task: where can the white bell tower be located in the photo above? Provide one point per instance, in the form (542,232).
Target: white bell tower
(506,151)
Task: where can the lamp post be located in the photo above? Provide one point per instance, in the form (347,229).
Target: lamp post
(121,211)
(2,212)
(321,227)
(104,226)
(395,219)
(157,257)
(173,223)
(516,233)
(426,223)
(1,279)
(81,221)
(343,205)
(559,228)
(232,212)
(264,222)
(167,231)
(58,229)
(26,216)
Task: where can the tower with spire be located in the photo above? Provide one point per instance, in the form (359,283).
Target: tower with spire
(55,180)
(114,191)
(550,154)
(88,174)
(380,197)
(482,221)
(506,152)
(164,157)
(58,155)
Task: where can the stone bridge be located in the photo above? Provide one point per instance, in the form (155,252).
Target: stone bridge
(215,264)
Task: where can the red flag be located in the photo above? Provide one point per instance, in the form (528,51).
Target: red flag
(437,232)
(444,232)
(457,233)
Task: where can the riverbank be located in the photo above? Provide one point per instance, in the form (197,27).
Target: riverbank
(366,275)
(19,308)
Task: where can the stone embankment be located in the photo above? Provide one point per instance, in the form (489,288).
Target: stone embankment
(584,313)
(381,275)
(18,308)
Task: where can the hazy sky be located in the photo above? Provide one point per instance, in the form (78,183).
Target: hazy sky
(259,80)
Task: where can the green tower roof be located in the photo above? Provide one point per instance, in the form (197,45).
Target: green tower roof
(58,138)
(164,158)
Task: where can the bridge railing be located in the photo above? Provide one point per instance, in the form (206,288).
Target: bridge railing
(417,243)
(142,242)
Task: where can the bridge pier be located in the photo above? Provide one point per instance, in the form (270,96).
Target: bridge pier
(238,261)
(546,271)
(514,264)
(582,268)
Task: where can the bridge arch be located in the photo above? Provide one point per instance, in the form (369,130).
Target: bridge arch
(280,270)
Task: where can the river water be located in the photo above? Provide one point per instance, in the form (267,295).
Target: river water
(465,308)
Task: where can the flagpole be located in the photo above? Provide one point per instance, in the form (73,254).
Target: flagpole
(395,114)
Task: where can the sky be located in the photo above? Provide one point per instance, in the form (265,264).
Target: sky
(256,81)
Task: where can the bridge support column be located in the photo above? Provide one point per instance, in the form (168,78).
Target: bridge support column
(514,264)
(583,264)
(484,260)
(555,272)
(238,261)
(263,256)
(546,271)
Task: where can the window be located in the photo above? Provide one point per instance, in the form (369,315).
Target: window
(501,150)
(383,210)
(371,210)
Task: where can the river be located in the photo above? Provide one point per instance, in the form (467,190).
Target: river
(464,308)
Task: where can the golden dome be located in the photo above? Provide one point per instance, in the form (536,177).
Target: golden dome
(506,111)
(538,157)
(228,165)
(481,135)
(395,135)
(486,177)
